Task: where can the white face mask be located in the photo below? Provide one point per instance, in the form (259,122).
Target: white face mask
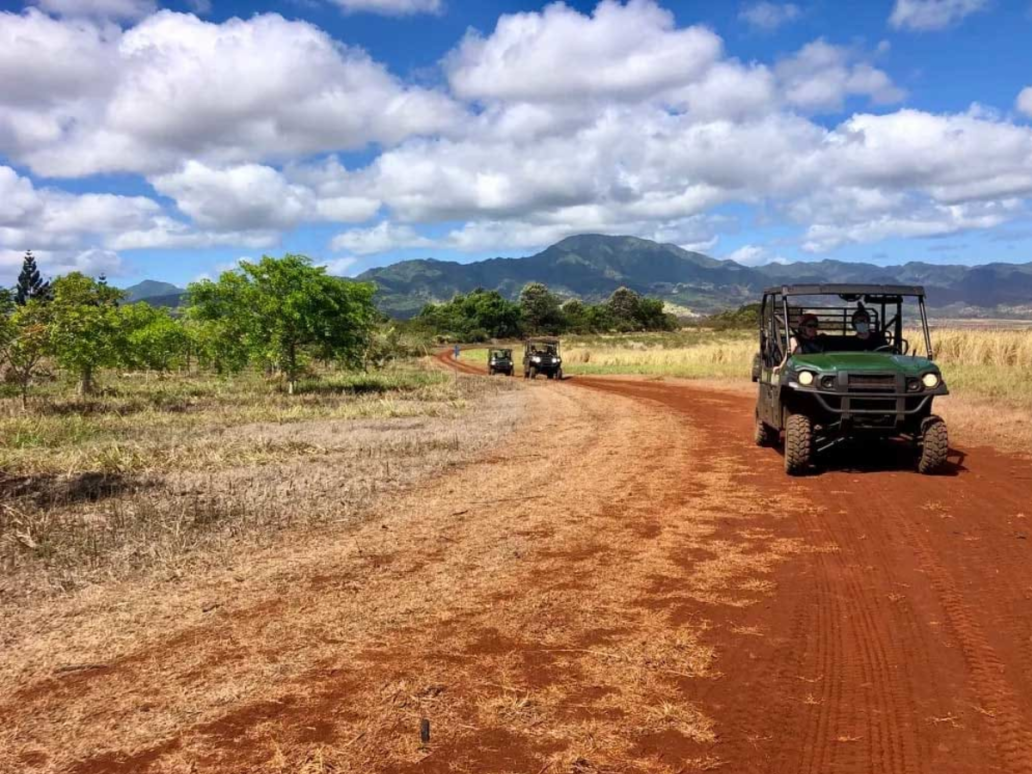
(862,327)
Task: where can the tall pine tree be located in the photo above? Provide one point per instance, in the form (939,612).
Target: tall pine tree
(30,283)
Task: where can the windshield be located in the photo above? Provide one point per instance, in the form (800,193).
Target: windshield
(827,324)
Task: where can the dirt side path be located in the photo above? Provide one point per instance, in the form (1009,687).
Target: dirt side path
(903,644)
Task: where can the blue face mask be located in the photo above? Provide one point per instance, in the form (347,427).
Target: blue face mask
(862,327)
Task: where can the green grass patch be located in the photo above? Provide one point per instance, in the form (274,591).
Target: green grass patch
(144,423)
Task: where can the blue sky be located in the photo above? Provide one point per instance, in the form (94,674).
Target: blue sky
(167,141)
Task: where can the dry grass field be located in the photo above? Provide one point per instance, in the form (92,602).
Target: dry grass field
(161,474)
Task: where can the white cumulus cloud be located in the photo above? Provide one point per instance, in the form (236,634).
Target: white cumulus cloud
(1024,101)
(171,88)
(924,15)
(620,52)
(769,16)
(391,7)
(381,238)
(123,10)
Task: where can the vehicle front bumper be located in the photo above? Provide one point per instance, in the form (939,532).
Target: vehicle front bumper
(868,405)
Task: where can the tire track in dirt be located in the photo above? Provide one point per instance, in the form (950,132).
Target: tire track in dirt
(894,690)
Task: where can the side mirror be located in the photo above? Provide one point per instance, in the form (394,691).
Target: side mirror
(757,365)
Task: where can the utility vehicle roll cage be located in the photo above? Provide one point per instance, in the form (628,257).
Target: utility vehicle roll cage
(779,316)
(548,344)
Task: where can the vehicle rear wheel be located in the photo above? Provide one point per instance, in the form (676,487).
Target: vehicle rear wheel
(763,435)
(798,444)
(935,445)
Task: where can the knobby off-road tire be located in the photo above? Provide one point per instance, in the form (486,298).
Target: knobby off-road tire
(763,434)
(533,372)
(559,374)
(798,444)
(935,445)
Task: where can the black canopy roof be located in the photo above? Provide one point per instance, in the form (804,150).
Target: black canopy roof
(837,290)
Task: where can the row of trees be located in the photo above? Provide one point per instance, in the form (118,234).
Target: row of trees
(483,314)
(278,314)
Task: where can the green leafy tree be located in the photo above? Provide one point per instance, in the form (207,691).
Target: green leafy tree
(24,342)
(575,316)
(30,283)
(540,308)
(154,339)
(85,327)
(652,317)
(219,323)
(475,316)
(288,310)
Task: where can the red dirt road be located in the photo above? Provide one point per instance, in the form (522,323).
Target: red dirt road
(628,586)
(906,646)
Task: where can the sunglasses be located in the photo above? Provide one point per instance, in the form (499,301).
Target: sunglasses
(811,325)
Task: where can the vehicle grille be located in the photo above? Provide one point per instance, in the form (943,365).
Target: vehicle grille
(873,404)
(872,382)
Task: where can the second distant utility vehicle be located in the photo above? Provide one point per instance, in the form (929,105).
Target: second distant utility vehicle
(499,361)
(833,365)
(541,356)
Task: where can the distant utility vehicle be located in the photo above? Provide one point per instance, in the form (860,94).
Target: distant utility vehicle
(833,365)
(541,356)
(499,361)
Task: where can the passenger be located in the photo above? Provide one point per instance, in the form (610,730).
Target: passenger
(807,341)
(868,339)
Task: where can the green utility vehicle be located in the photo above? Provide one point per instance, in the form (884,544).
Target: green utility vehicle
(541,356)
(499,361)
(833,366)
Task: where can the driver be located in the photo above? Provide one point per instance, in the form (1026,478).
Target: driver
(868,338)
(807,341)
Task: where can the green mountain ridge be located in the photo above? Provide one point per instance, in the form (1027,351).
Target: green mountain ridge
(153,291)
(592,266)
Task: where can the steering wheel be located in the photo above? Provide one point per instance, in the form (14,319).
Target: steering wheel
(902,350)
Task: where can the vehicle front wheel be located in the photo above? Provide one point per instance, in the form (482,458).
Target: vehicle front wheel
(763,435)
(798,444)
(559,374)
(935,445)
(533,373)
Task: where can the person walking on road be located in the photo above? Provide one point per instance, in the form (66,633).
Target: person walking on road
(456,352)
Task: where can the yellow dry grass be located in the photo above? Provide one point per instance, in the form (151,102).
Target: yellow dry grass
(102,492)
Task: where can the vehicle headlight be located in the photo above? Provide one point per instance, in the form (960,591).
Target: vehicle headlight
(558,360)
(535,359)
(806,378)
(930,381)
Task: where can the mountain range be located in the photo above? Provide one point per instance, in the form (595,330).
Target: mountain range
(592,266)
